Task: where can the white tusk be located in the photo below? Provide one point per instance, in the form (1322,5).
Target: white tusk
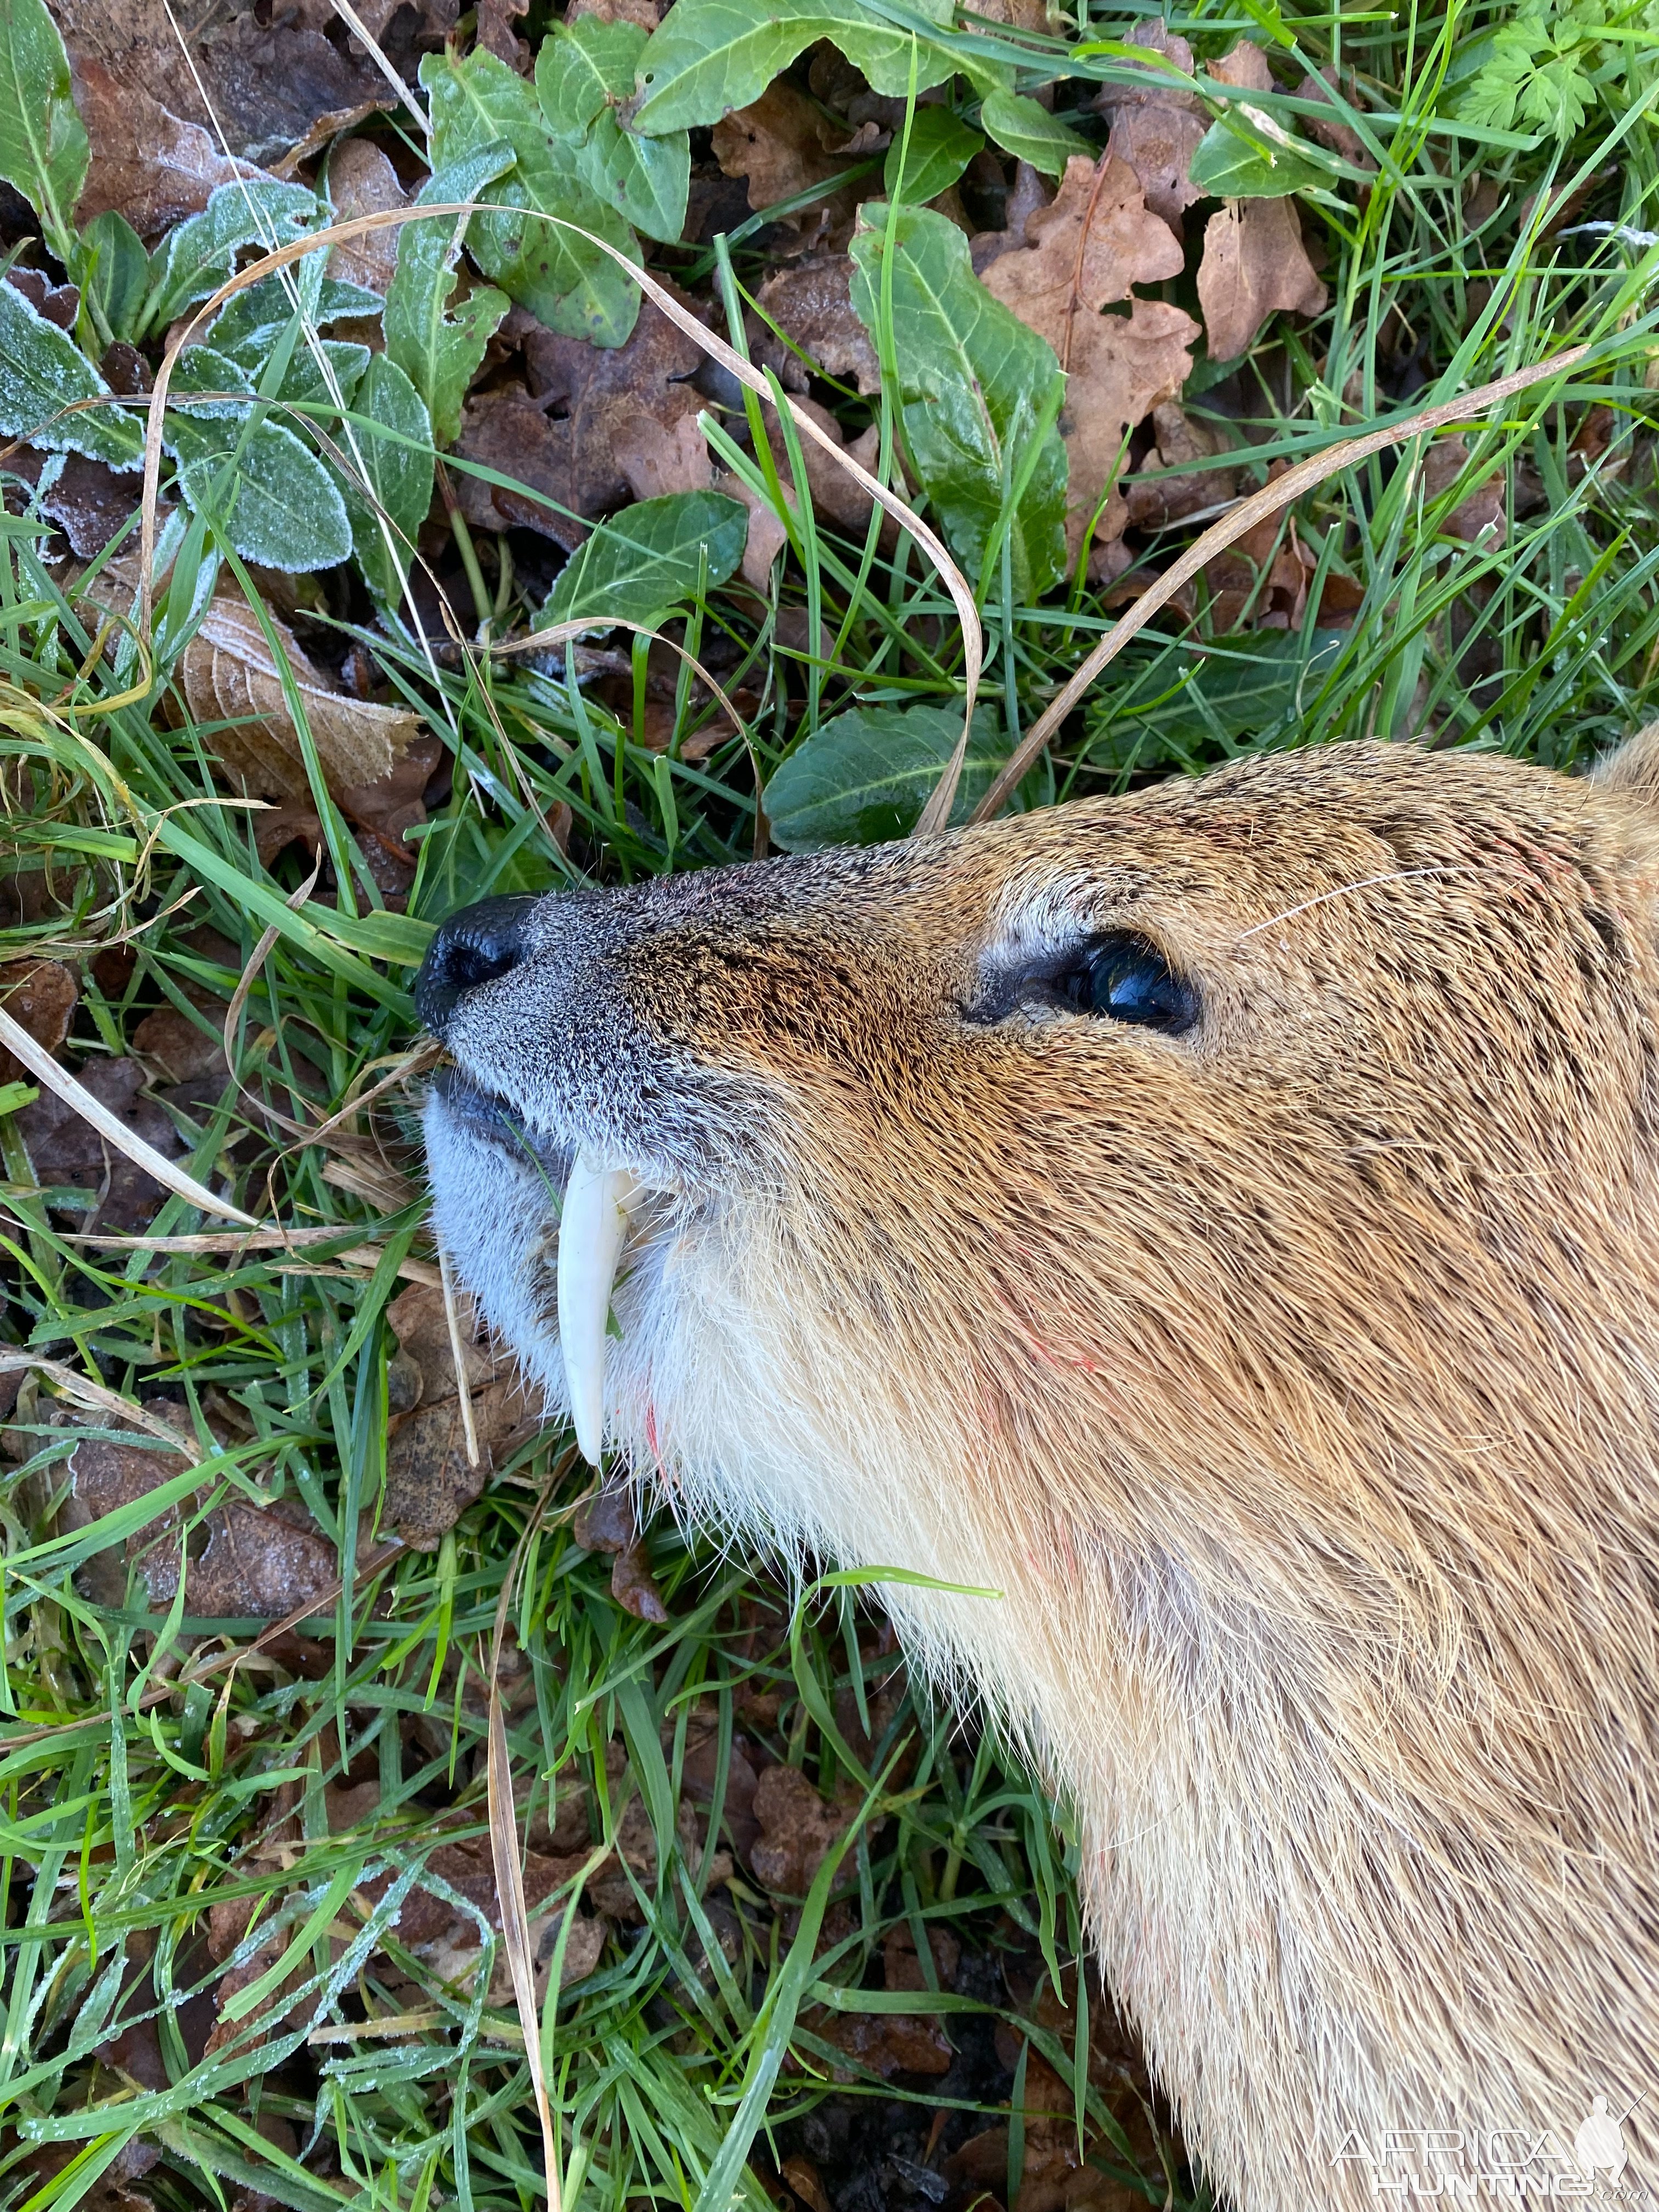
(592,1223)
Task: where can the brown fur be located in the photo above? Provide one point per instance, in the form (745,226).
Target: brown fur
(1296,1381)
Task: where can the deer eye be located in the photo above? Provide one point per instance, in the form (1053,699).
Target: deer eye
(1123,978)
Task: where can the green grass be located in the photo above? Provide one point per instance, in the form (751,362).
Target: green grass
(146,1784)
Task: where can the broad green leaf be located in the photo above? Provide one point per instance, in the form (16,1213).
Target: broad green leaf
(940,148)
(42,370)
(584,74)
(437,351)
(585,67)
(1234,163)
(864,777)
(267,494)
(565,280)
(304,381)
(400,476)
(112,270)
(204,368)
(43,141)
(1025,129)
(711,56)
(649,558)
(197,256)
(974,382)
(248,326)
(1177,711)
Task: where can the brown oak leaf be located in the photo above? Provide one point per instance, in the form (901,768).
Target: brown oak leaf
(1086,249)
(230,676)
(811,302)
(1157,124)
(363,181)
(780,143)
(1254,263)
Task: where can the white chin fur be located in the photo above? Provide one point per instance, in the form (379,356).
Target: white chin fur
(592,1223)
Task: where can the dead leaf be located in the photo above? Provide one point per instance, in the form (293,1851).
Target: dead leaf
(89,503)
(261,1566)
(265,84)
(646,13)
(658,458)
(1254,263)
(1331,130)
(230,676)
(780,143)
(812,302)
(767,535)
(1265,571)
(40,996)
(634,1586)
(560,437)
(495,33)
(246,1563)
(796,1828)
(606,1523)
(1154,501)
(54,303)
(889,2043)
(1244,65)
(1035,16)
(382,812)
(1483,509)
(834,492)
(1028,195)
(183,1048)
(429,1480)
(1156,125)
(148,163)
(363,181)
(1085,251)
(417,1320)
(800,2175)
(68,1151)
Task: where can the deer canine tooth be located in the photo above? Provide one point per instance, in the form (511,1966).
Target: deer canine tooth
(592,1223)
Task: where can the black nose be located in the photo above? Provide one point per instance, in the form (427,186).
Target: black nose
(473,946)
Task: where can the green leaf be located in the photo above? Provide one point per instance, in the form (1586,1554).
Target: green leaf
(1180,710)
(1025,129)
(112,270)
(1234,163)
(648,559)
(400,476)
(864,777)
(204,368)
(584,74)
(198,256)
(584,67)
(43,141)
(565,280)
(266,494)
(940,148)
(248,326)
(974,386)
(711,56)
(437,351)
(42,370)
(305,383)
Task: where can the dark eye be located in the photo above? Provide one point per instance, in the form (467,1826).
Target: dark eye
(1124,978)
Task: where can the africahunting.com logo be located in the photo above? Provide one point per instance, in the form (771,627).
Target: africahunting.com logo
(1508,2165)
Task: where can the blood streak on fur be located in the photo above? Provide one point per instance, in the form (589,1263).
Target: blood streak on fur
(1292,1373)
